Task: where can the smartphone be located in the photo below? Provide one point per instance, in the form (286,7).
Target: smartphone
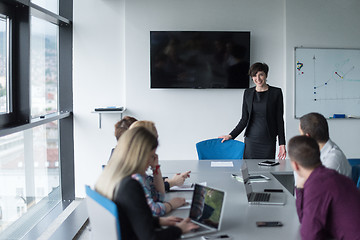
(268,163)
(223,236)
(273,190)
(269,224)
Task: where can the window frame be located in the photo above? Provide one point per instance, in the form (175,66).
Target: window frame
(8,63)
(20,119)
(6,119)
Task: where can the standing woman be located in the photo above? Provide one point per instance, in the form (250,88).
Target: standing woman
(262,116)
(133,155)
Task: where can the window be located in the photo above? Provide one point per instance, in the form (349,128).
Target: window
(43,67)
(51,5)
(28,162)
(36,122)
(4,64)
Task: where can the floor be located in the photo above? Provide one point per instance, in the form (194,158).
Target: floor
(84,233)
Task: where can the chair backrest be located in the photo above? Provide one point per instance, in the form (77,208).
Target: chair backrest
(215,149)
(355,169)
(103,216)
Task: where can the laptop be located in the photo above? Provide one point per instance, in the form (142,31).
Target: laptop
(206,210)
(260,198)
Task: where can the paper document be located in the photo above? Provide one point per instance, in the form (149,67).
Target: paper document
(186,187)
(222,164)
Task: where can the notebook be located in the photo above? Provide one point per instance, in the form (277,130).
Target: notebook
(206,210)
(260,198)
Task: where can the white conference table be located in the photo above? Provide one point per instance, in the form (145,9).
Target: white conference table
(176,166)
(239,217)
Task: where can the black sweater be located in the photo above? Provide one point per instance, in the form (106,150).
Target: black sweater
(136,220)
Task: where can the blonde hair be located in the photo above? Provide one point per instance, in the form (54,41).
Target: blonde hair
(130,156)
(149,125)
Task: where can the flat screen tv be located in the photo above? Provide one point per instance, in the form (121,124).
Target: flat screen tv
(199,59)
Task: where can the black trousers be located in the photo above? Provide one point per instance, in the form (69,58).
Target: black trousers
(259,149)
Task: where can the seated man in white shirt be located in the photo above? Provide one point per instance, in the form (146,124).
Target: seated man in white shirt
(316,126)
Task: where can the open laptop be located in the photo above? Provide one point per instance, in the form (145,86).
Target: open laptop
(260,198)
(206,210)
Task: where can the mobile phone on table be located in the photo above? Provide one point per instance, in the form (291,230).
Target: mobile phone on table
(273,190)
(222,236)
(268,163)
(269,224)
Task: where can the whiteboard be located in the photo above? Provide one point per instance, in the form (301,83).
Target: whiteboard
(327,81)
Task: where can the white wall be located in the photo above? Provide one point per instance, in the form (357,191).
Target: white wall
(98,76)
(111,67)
(184,117)
(327,24)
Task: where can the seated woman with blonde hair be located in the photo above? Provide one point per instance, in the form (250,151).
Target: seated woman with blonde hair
(133,156)
(154,186)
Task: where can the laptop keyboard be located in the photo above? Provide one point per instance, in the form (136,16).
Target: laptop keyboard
(200,229)
(261,197)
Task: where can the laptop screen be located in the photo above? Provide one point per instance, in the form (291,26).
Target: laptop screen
(206,206)
(245,175)
(245,172)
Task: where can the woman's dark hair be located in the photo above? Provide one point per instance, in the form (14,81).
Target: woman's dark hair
(305,151)
(316,126)
(123,125)
(257,67)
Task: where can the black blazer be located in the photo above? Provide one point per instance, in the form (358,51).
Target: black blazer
(274,114)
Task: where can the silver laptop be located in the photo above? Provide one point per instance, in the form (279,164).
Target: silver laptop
(260,198)
(206,210)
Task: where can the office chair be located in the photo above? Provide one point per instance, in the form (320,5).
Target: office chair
(103,216)
(215,149)
(355,169)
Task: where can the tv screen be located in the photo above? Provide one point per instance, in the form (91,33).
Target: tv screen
(199,59)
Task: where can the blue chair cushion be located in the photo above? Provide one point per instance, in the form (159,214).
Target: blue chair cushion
(215,149)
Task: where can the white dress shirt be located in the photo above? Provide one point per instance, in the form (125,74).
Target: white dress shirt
(332,157)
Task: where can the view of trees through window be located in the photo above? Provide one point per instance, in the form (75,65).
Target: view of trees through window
(43,67)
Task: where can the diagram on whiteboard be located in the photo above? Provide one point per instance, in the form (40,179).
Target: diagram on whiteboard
(327,81)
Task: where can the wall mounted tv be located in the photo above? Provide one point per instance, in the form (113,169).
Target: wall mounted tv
(199,59)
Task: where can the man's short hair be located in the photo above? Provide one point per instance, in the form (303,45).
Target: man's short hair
(316,126)
(305,151)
